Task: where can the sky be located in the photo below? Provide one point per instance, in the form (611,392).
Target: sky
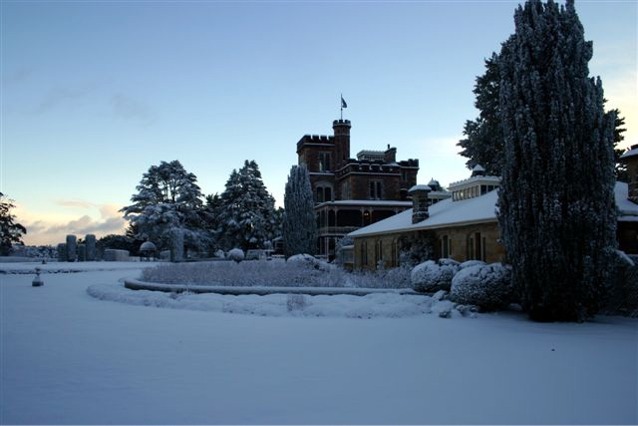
(95,93)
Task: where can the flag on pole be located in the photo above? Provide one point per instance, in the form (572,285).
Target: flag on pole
(343,103)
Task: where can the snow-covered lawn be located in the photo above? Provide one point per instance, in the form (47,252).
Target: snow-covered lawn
(68,357)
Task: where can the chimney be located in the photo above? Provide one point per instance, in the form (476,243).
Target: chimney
(390,155)
(420,202)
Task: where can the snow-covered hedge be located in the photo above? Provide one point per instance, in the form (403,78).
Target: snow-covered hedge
(432,276)
(276,272)
(114,255)
(236,254)
(487,286)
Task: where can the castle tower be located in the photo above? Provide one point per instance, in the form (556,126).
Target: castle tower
(342,141)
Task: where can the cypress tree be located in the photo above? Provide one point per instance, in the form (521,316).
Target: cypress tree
(556,203)
(299,224)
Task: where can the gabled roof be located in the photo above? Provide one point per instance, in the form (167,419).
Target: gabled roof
(448,213)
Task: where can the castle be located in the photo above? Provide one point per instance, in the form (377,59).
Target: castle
(352,193)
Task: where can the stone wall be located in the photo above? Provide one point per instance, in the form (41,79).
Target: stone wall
(461,246)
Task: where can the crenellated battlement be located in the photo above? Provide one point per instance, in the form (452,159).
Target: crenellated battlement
(315,139)
(341,123)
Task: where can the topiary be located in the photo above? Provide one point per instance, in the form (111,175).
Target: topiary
(431,276)
(236,254)
(487,286)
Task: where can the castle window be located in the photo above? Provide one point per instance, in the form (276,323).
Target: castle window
(346,192)
(323,194)
(324,161)
(376,190)
(445,246)
(378,252)
(476,247)
(364,253)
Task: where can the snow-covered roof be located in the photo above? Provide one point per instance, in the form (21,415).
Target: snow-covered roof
(442,214)
(627,210)
(481,209)
(419,188)
(631,153)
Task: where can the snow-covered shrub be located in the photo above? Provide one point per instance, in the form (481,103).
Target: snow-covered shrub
(431,276)
(308,261)
(487,286)
(469,263)
(236,254)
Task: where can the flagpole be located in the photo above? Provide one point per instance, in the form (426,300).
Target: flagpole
(341,103)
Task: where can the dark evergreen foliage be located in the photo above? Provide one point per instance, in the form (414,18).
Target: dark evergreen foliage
(246,216)
(10,231)
(483,142)
(619,129)
(557,210)
(484,138)
(299,224)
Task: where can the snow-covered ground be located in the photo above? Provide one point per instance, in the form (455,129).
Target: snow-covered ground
(68,357)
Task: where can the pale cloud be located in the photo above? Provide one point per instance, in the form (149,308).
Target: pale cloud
(51,231)
(128,108)
(62,96)
(75,203)
(18,76)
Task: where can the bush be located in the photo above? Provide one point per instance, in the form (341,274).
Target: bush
(469,263)
(308,261)
(236,254)
(487,286)
(431,276)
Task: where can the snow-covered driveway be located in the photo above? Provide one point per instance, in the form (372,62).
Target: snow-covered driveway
(69,358)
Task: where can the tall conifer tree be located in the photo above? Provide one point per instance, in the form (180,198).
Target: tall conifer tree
(300,226)
(557,211)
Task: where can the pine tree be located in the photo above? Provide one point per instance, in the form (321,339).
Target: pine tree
(299,226)
(247,214)
(619,129)
(484,138)
(557,211)
(168,199)
(10,231)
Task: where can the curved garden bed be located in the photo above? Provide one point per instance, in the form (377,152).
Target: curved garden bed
(134,284)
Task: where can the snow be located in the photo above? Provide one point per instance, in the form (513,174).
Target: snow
(70,358)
